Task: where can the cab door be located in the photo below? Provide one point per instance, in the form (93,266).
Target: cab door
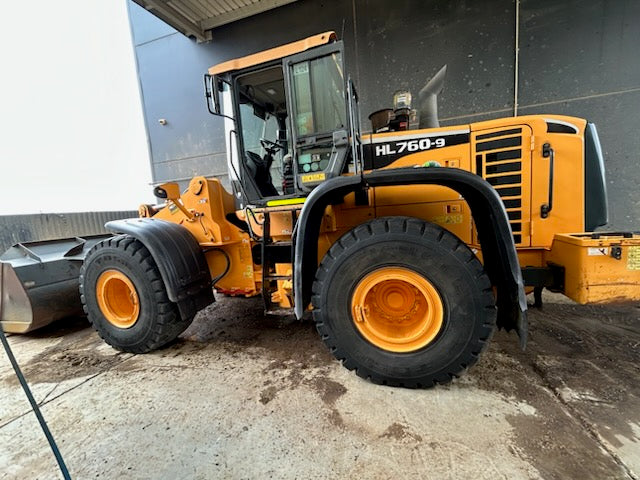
(317,113)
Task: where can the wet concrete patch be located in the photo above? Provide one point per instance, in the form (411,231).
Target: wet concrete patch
(69,358)
(268,394)
(401,432)
(329,390)
(581,373)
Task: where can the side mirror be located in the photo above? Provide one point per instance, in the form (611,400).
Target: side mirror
(212,94)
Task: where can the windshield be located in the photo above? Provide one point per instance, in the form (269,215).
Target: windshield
(319,98)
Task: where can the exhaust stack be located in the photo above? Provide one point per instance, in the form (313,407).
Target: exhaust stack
(428,100)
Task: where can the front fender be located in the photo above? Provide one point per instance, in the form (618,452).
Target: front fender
(489,215)
(179,258)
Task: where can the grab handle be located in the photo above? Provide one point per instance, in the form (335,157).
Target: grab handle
(545,208)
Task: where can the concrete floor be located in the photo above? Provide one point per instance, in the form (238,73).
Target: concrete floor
(241,396)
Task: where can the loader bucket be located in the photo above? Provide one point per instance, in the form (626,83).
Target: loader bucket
(39,282)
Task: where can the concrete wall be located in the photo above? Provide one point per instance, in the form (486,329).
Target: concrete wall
(576,58)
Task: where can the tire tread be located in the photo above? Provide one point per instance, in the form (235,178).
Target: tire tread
(168,324)
(428,231)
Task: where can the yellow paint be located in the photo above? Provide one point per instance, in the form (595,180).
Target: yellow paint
(207,205)
(535,234)
(284,291)
(524,172)
(285,201)
(171,189)
(592,274)
(460,224)
(397,309)
(274,53)
(568,181)
(448,219)
(280,220)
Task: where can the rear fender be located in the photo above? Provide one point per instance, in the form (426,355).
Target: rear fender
(179,258)
(490,217)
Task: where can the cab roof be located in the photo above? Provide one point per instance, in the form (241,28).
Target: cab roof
(273,53)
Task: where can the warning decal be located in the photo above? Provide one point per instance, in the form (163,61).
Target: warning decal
(633,259)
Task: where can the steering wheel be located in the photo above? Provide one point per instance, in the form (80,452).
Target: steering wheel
(269,146)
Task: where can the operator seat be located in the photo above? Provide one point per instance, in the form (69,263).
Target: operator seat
(259,168)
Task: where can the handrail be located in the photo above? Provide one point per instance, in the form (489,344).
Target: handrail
(546,208)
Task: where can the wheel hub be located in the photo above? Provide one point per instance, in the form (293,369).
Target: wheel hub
(117,298)
(397,309)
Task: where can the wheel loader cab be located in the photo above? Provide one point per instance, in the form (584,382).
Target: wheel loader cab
(289,122)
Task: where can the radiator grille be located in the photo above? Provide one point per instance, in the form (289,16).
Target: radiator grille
(499,160)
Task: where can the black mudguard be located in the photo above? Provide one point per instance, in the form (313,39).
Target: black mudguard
(489,215)
(179,257)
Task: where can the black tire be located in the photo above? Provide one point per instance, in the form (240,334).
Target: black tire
(468,303)
(158,321)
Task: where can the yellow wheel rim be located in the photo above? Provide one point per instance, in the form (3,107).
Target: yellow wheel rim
(117,299)
(397,309)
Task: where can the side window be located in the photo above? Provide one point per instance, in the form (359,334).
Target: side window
(264,166)
(252,128)
(270,131)
(303,106)
(262,113)
(319,98)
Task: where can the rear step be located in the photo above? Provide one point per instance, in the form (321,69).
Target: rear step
(39,282)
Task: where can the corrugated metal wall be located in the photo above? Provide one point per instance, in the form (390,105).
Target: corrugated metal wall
(577,57)
(47,226)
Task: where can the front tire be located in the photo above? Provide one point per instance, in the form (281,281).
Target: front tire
(403,302)
(125,299)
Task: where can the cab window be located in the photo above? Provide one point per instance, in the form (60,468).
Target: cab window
(319,98)
(262,120)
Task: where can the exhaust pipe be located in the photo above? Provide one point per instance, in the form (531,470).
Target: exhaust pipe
(39,282)
(428,100)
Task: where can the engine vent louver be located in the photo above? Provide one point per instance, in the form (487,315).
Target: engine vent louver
(499,162)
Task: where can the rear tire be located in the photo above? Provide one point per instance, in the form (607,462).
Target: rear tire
(369,300)
(125,298)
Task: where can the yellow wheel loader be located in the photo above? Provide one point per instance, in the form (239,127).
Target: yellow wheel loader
(407,245)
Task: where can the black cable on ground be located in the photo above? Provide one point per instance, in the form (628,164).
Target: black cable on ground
(34,405)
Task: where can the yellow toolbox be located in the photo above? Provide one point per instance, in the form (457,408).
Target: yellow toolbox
(599,267)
